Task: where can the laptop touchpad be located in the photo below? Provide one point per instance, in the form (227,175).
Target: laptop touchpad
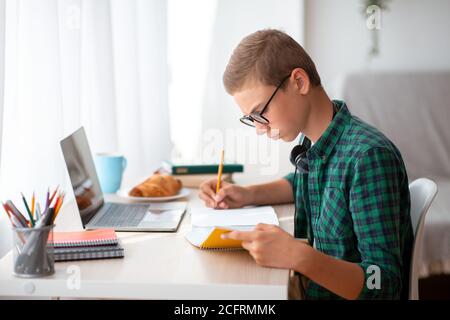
(167,217)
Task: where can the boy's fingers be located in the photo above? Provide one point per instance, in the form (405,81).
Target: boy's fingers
(208,200)
(223,205)
(225,191)
(205,196)
(263,226)
(247,245)
(208,189)
(239,235)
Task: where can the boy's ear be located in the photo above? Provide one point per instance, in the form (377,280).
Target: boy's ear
(301,80)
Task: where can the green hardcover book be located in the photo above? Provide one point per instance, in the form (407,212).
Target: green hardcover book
(175,168)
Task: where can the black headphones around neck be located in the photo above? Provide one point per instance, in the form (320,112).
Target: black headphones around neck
(298,155)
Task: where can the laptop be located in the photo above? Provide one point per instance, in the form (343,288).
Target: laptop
(95,213)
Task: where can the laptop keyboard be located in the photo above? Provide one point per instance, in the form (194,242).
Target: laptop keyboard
(118,215)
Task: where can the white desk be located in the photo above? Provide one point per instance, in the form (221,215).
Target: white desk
(156,266)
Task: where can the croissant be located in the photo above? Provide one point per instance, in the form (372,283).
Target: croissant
(157,186)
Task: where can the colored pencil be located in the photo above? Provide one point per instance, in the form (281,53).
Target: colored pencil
(59,205)
(38,212)
(47,199)
(17,213)
(53,195)
(6,210)
(15,221)
(28,209)
(33,203)
(8,214)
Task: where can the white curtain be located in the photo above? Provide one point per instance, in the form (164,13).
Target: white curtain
(101,64)
(2,66)
(5,238)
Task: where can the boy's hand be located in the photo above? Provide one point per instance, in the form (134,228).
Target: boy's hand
(230,195)
(269,245)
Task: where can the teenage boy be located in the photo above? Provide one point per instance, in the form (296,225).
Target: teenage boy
(352,197)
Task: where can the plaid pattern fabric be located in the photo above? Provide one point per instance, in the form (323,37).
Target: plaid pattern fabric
(354,203)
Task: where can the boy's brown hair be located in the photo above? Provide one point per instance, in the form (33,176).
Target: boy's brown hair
(267,56)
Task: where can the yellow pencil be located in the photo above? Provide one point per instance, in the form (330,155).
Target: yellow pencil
(59,205)
(33,201)
(219,174)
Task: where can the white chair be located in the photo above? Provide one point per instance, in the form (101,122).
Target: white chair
(422,192)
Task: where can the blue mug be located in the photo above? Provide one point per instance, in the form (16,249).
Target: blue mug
(110,168)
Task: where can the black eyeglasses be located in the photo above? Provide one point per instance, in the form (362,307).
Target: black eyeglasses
(258,116)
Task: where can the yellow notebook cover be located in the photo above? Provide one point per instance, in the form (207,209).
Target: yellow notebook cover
(209,238)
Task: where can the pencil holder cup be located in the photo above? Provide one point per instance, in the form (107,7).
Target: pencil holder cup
(33,254)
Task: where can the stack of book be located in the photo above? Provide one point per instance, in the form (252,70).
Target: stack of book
(192,175)
(86,245)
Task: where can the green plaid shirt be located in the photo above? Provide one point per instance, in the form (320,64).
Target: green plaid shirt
(354,205)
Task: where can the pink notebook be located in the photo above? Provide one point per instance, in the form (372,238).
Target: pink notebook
(97,237)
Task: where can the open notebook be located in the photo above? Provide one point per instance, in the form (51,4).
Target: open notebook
(209,224)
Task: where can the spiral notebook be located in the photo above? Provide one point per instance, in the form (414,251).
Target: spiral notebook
(209,238)
(99,237)
(209,224)
(89,253)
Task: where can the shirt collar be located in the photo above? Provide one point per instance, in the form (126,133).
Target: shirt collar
(330,137)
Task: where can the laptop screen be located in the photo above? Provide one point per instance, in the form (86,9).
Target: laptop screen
(83,176)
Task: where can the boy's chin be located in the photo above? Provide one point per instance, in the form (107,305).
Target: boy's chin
(287,138)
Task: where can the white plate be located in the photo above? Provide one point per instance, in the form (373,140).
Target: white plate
(184,192)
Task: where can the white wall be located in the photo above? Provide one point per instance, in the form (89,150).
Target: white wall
(414,35)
